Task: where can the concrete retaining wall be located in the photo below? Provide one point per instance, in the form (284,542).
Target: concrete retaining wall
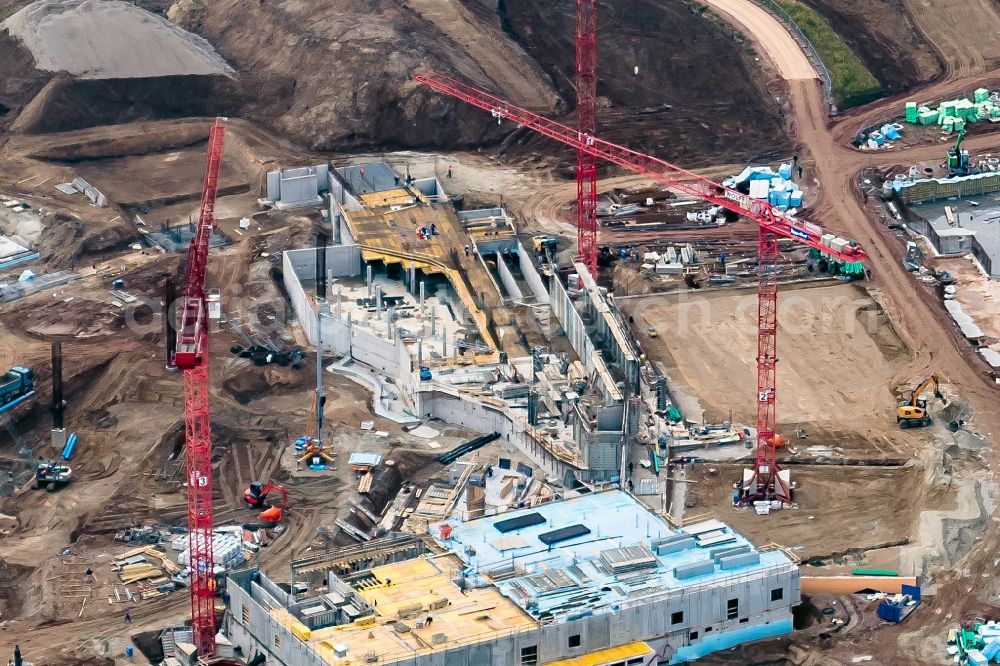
(507,278)
(341,261)
(531,275)
(450,405)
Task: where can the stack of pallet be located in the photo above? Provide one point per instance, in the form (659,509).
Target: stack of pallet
(134,565)
(133,573)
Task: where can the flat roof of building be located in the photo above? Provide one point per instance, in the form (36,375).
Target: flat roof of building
(628,552)
(407,592)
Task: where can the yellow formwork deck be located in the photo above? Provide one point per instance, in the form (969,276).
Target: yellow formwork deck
(606,656)
(409,592)
(390,236)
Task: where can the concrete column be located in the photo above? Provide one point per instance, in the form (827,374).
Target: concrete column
(444,346)
(413,279)
(422,299)
(433,322)
(338,302)
(378,302)
(391,330)
(420,352)
(369,281)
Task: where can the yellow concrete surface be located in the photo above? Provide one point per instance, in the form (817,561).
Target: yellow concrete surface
(390,236)
(606,656)
(417,589)
(398,197)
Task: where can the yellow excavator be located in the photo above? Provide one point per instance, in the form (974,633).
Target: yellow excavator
(914,412)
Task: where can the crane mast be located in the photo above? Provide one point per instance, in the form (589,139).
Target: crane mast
(586,123)
(772,222)
(191,356)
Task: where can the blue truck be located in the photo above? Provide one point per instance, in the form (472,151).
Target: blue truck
(16,383)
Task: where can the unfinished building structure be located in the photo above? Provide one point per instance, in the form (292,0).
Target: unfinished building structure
(452,307)
(598,575)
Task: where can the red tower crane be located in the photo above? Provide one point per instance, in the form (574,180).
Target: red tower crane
(764,480)
(191,356)
(586,123)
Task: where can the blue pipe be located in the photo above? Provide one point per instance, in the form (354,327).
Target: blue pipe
(15,403)
(67,451)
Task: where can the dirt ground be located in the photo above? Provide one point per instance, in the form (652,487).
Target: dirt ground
(707,343)
(880,515)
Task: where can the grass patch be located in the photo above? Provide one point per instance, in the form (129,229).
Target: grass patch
(853,84)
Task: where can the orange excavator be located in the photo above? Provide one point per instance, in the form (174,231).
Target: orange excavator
(256,498)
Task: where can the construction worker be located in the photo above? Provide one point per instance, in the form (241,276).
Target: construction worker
(128,616)
(466,250)
(449,171)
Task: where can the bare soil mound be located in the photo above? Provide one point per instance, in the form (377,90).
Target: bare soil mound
(698,93)
(98,39)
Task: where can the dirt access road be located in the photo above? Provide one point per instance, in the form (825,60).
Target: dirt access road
(782,49)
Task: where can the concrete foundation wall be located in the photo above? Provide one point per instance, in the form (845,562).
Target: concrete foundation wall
(341,261)
(388,356)
(449,405)
(572,323)
(955,245)
(531,274)
(300,185)
(507,278)
(339,196)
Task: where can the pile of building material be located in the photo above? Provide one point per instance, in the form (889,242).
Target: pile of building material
(30,283)
(227,548)
(882,137)
(144,564)
(98,39)
(776,188)
(672,260)
(80,185)
(14,205)
(720,434)
(970,329)
(953,114)
(977,645)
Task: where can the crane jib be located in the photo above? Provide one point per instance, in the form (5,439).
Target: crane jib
(799,233)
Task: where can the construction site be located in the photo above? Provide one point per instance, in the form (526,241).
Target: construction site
(511,346)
